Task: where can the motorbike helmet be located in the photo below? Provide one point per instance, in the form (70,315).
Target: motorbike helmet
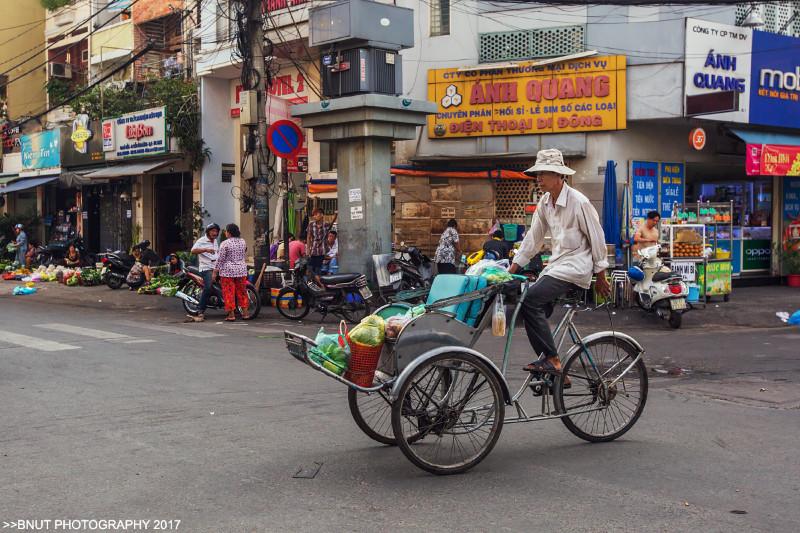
(18,226)
(211,226)
(636,273)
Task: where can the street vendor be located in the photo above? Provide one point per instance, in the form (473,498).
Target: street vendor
(140,273)
(647,234)
(73,257)
(578,252)
(20,244)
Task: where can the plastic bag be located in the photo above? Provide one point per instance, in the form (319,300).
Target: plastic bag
(496,275)
(499,317)
(329,353)
(395,324)
(478,268)
(20,290)
(369,332)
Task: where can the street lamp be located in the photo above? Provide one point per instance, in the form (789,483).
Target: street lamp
(753,18)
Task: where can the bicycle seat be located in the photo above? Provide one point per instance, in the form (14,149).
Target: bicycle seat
(335,279)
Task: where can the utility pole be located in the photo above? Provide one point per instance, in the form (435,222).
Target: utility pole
(255,27)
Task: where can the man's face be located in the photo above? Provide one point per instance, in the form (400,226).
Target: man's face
(651,222)
(318,216)
(331,239)
(549,181)
(17,230)
(213,234)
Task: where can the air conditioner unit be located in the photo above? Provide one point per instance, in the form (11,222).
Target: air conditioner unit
(361,70)
(60,70)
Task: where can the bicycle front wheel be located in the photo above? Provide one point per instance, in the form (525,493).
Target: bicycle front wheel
(599,406)
(448,414)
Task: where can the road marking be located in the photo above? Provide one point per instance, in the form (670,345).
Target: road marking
(86,332)
(188,331)
(34,343)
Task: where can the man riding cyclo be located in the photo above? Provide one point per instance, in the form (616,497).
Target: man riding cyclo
(578,252)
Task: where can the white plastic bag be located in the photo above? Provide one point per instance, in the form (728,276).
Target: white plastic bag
(478,268)
(499,317)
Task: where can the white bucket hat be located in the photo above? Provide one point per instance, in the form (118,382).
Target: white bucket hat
(550,160)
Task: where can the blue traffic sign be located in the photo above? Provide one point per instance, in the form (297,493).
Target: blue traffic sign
(285,138)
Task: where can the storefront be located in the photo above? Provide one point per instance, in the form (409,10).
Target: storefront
(747,82)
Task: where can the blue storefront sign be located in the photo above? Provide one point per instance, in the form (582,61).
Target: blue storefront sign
(671,186)
(775,80)
(644,188)
(791,199)
(41,150)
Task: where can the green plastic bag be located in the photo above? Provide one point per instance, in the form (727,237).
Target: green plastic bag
(496,275)
(369,332)
(329,353)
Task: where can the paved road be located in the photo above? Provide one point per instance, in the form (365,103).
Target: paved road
(139,416)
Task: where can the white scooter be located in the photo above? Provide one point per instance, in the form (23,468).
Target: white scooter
(658,289)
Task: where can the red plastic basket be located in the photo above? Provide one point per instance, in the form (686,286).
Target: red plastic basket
(363,363)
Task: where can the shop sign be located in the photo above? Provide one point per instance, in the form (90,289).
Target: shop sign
(752,159)
(671,186)
(11,138)
(41,150)
(82,143)
(685,268)
(718,60)
(529,99)
(136,134)
(791,199)
(760,69)
(757,254)
(715,278)
(775,99)
(779,160)
(644,188)
(697,138)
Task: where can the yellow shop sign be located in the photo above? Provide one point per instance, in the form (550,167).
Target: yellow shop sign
(529,99)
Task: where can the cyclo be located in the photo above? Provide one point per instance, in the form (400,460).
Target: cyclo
(443,403)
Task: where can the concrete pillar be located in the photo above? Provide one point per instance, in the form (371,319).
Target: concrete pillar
(363,128)
(364,224)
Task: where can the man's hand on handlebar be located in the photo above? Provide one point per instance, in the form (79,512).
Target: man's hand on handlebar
(602,285)
(514,268)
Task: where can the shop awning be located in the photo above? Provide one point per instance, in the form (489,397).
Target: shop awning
(759,137)
(27,183)
(128,169)
(5,179)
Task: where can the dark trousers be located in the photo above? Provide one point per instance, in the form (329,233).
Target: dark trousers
(446,268)
(534,309)
(315,263)
(207,288)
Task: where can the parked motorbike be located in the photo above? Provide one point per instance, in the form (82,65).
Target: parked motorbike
(55,251)
(343,295)
(191,287)
(415,269)
(657,289)
(117,265)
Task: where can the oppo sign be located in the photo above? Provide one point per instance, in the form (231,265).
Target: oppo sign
(758,252)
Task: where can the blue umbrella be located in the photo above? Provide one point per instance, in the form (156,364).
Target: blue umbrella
(611,224)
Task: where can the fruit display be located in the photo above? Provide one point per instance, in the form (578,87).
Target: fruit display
(687,249)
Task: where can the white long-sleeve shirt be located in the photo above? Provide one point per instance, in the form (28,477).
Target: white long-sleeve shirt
(578,241)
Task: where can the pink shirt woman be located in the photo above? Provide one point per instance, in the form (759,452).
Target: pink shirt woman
(232,270)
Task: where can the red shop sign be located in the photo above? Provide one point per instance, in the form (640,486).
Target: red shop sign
(778,160)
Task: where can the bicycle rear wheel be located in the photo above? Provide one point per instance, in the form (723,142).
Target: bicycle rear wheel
(602,412)
(448,414)
(372,413)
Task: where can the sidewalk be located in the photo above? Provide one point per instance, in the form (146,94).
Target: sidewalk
(752,307)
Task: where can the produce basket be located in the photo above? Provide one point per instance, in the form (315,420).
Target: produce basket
(363,363)
(300,347)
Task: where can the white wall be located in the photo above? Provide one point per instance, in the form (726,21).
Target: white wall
(218,131)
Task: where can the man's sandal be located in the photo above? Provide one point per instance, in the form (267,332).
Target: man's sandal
(544,366)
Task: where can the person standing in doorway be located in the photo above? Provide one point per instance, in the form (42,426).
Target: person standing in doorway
(232,271)
(206,249)
(315,241)
(448,249)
